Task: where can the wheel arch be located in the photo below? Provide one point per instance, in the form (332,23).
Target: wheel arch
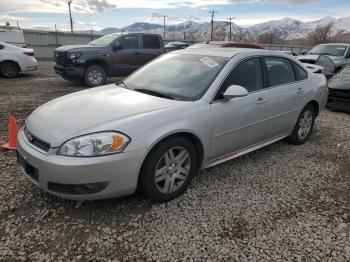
(100,63)
(315,105)
(193,138)
(13,61)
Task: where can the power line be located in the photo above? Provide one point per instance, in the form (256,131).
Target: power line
(230,38)
(213,12)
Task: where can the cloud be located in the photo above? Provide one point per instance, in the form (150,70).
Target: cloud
(98,6)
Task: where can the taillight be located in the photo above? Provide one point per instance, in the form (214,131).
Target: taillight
(29,53)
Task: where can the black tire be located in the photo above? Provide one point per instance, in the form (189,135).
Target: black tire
(95,76)
(295,137)
(9,69)
(148,185)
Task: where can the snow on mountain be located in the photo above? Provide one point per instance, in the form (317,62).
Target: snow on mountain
(286,28)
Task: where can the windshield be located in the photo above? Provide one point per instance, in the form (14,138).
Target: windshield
(177,76)
(334,50)
(104,40)
(346,70)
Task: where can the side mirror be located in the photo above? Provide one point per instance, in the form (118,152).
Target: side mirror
(235,91)
(117,47)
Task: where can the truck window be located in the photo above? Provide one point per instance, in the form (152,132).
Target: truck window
(151,41)
(130,42)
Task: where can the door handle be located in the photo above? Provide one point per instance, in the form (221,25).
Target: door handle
(300,90)
(261,101)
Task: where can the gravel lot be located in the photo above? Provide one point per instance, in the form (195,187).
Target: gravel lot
(283,202)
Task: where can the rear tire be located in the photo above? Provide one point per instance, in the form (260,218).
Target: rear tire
(95,76)
(169,169)
(9,69)
(304,126)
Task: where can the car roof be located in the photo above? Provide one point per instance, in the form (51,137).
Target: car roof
(227,52)
(335,44)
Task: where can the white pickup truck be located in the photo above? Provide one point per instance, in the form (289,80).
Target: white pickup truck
(13,37)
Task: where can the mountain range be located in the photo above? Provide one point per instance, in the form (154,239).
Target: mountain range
(287,29)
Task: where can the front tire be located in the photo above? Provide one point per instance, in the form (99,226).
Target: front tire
(95,76)
(304,126)
(169,169)
(9,69)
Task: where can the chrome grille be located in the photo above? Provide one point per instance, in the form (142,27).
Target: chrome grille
(37,142)
(60,58)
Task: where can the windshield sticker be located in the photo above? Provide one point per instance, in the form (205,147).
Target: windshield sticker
(209,62)
(341,48)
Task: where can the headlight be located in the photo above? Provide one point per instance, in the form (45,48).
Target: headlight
(75,55)
(97,144)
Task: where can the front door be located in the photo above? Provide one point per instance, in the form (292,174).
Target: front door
(239,123)
(126,58)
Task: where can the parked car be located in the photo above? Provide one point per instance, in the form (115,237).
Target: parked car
(12,36)
(215,44)
(108,56)
(291,53)
(185,111)
(15,60)
(172,46)
(339,90)
(323,65)
(338,53)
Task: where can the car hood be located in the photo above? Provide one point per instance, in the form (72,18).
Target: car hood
(341,82)
(78,48)
(88,111)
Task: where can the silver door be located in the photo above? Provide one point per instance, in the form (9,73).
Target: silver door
(285,95)
(239,122)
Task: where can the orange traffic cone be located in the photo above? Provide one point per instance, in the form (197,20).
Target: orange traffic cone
(12,134)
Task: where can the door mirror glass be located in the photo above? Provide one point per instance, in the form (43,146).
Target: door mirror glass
(235,91)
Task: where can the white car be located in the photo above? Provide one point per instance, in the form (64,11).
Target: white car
(14,60)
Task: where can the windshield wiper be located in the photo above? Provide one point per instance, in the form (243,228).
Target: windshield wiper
(154,93)
(123,83)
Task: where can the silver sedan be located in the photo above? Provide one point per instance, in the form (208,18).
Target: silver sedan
(183,112)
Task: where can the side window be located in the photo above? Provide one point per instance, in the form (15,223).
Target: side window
(279,70)
(300,73)
(151,41)
(348,55)
(130,42)
(1,47)
(247,73)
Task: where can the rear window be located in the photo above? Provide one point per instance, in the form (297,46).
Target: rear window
(151,42)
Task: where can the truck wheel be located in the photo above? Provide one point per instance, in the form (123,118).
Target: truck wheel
(9,69)
(95,76)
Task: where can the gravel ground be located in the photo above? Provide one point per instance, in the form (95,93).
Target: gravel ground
(283,202)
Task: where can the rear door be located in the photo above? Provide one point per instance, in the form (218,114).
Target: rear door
(152,47)
(286,94)
(128,58)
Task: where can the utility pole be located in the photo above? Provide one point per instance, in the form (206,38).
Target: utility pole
(164,17)
(70,16)
(213,12)
(230,38)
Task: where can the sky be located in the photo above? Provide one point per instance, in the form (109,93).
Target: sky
(100,14)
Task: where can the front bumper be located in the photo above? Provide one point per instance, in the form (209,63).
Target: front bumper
(339,99)
(70,72)
(72,177)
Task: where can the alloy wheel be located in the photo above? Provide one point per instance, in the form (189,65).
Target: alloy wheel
(172,170)
(305,124)
(95,76)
